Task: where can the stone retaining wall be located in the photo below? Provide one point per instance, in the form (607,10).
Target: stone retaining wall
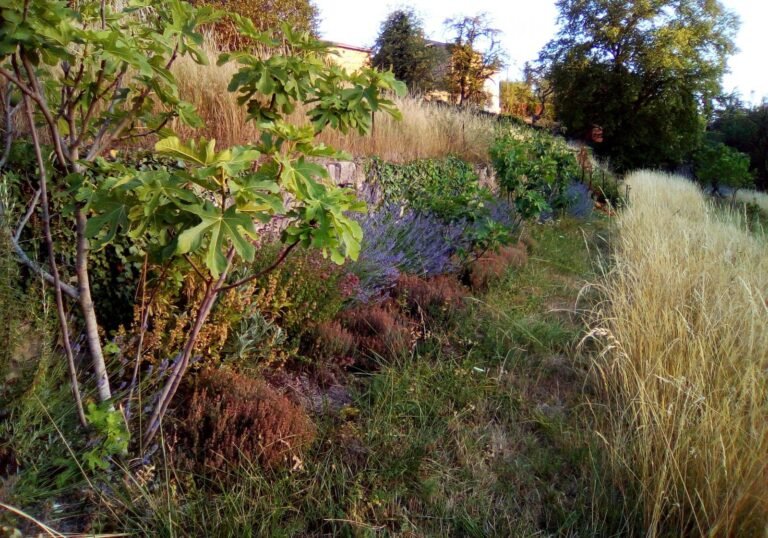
(352,174)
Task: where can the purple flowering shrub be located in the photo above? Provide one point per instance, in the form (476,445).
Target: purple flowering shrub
(398,239)
(580,203)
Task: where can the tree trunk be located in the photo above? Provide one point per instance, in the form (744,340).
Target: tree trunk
(89,313)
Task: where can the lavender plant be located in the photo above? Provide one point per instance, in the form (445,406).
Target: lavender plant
(580,203)
(396,239)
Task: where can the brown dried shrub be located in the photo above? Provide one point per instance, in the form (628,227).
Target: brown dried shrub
(493,266)
(485,270)
(515,255)
(381,329)
(437,297)
(230,418)
(333,342)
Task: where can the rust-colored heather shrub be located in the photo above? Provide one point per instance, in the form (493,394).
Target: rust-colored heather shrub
(334,342)
(493,265)
(435,296)
(231,418)
(485,270)
(515,255)
(381,329)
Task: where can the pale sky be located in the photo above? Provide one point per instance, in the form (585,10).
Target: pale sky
(528,24)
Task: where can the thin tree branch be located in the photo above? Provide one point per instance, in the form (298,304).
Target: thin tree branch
(142,332)
(180,367)
(198,271)
(146,133)
(283,255)
(104,138)
(25,219)
(86,118)
(37,268)
(23,87)
(43,106)
(10,112)
(118,85)
(64,326)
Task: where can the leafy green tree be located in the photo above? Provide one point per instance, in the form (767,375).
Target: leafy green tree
(517,99)
(526,99)
(536,79)
(643,71)
(93,78)
(98,77)
(402,47)
(745,129)
(718,165)
(476,56)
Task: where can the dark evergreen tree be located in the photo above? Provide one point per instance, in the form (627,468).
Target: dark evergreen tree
(402,47)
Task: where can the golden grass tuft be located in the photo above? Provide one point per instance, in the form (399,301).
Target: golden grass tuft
(685,367)
(746,196)
(426,131)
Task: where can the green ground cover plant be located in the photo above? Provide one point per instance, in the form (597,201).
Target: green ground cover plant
(534,169)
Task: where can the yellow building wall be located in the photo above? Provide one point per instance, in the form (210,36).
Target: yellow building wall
(350,59)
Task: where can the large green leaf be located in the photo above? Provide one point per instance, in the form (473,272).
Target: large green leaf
(202,152)
(220,230)
(111,215)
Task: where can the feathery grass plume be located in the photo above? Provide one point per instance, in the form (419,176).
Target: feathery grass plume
(685,364)
(747,196)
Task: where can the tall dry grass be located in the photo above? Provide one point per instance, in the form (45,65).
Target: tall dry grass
(685,368)
(747,196)
(426,131)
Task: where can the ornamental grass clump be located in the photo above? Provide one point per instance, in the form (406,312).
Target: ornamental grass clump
(684,370)
(427,131)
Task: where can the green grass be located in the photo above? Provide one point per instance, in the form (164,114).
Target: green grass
(480,432)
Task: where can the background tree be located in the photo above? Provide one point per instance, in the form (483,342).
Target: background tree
(266,15)
(527,99)
(745,129)
(643,71)
(718,165)
(402,47)
(543,91)
(517,99)
(476,56)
